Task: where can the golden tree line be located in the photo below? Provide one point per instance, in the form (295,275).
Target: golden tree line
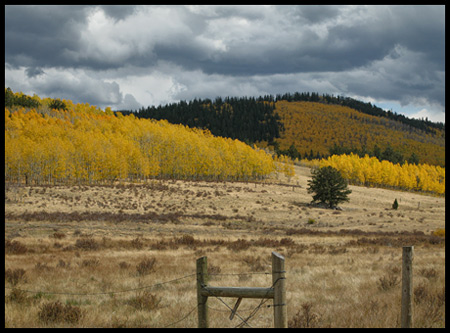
(369,171)
(84,144)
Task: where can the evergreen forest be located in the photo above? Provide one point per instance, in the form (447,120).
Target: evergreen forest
(246,119)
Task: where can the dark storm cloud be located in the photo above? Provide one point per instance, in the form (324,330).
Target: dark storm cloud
(379,52)
(259,42)
(313,40)
(40,35)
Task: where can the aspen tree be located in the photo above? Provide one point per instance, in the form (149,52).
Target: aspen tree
(85,144)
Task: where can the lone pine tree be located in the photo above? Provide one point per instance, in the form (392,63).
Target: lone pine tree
(328,186)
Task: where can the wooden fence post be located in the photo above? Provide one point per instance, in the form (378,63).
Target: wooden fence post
(277,292)
(202,301)
(279,285)
(407,278)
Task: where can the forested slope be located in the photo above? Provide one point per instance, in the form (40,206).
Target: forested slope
(246,118)
(80,143)
(364,107)
(318,127)
(305,125)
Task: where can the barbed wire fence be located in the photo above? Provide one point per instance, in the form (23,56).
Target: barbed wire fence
(227,308)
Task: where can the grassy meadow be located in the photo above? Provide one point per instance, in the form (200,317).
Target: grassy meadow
(125,255)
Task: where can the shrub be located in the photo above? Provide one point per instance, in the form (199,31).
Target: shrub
(395,204)
(256,264)
(42,267)
(137,243)
(90,263)
(387,282)
(17,296)
(59,235)
(305,318)
(421,293)
(63,264)
(124,265)
(15,247)
(14,276)
(213,269)
(287,242)
(430,273)
(239,245)
(57,312)
(144,301)
(185,240)
(146,266)
(439,232)
(87,244)
(431,306)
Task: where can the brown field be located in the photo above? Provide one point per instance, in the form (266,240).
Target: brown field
(124,255)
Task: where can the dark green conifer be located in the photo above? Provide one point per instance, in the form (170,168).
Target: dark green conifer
(329,187)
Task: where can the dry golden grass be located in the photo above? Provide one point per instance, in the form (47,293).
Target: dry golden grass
(124,255)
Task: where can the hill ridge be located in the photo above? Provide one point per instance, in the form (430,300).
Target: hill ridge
(262,120)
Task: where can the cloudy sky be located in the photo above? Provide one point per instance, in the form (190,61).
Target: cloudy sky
(132,56)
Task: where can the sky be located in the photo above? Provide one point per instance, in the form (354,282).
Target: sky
(128,57)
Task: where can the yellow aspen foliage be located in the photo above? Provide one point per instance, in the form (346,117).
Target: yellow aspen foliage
(369,171)
(83,144)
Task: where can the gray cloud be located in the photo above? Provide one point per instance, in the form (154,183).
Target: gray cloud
(118,12)
(41,34)
(155,54)
(34,71)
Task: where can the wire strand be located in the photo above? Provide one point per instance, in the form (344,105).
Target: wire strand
(102,293)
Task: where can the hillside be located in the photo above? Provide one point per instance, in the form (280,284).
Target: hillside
(317,127)
(312,126)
